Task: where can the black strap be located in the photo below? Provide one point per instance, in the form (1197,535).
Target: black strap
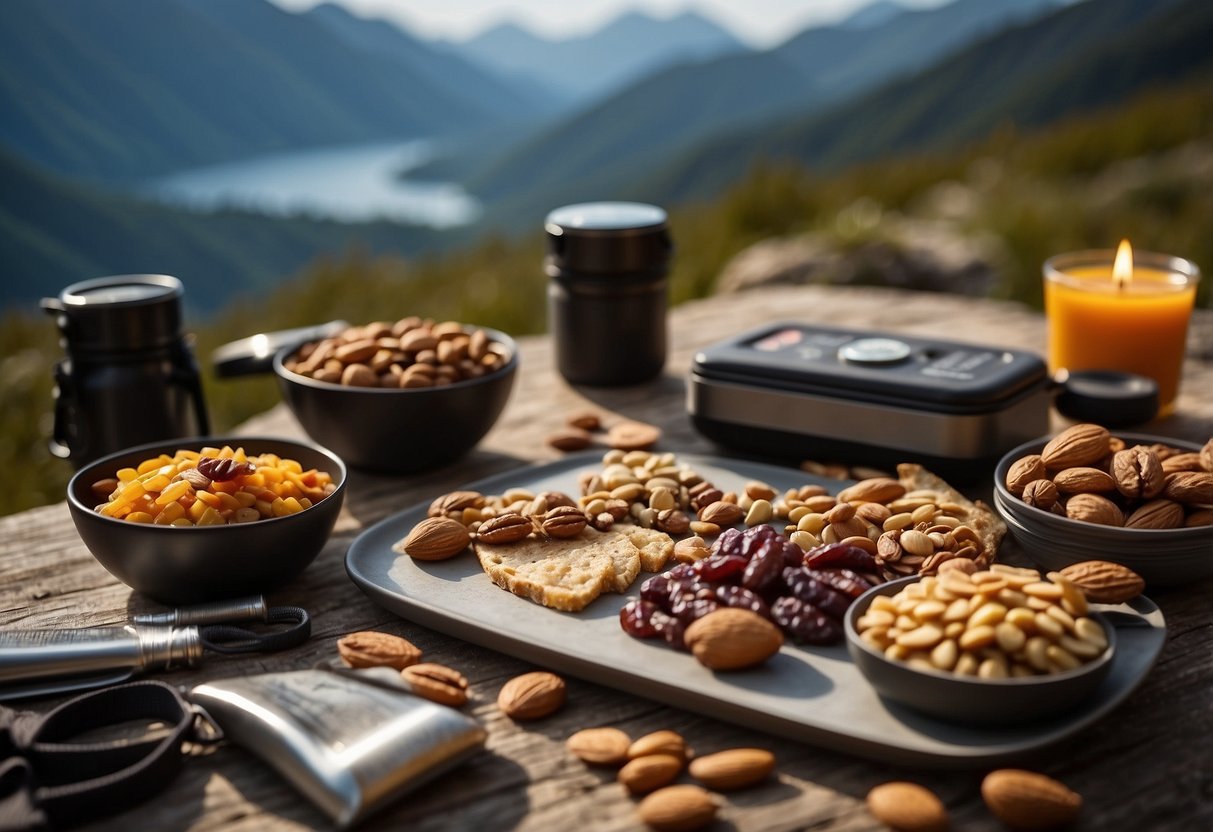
(226,638)
(49,780)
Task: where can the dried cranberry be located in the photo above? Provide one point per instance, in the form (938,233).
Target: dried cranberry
(222,470)
(764,567)
(688,608)
(636,619)
(670,629)
(682,570)
(656,589)
(805,585)
(842,555)
(805,623)
(739,596)
(728,543)
(843,580)
(793,555)
(721,567)
(753,537)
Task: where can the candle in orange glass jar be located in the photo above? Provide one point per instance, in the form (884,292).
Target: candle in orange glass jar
(1112,313)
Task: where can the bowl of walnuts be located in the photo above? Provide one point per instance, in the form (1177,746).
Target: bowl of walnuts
(1143,501)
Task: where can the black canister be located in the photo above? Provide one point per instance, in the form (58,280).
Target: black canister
(607,264)
(129,376)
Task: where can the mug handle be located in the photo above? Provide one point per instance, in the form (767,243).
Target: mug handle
(255,354)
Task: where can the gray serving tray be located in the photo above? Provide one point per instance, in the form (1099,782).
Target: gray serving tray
(812,694)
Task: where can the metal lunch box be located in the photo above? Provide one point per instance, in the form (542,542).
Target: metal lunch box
(796,391)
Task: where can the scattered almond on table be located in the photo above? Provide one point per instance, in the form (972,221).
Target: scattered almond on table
(532,696)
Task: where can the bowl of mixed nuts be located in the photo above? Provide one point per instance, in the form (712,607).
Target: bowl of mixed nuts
(1143,501)
(399,397)
(998,646)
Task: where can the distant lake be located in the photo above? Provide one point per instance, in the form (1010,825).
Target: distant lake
(353,183)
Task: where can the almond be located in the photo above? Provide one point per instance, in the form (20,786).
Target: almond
(650,772)
(1023,471)
(1189,487)
(1083,444)
(570,439)
(735,768)
(1082,480)
(1157,514)
(659,742)
(733,638)
(1092,508)
(1026,800)
(1104,582)
(908,807)
(600,746)
(633,436)
(1182,462)
(874,490)
(722,513)
(1206,456)
(436,538)
(455,501)
(678,809)
(371,649)
(532,695)
(584,419)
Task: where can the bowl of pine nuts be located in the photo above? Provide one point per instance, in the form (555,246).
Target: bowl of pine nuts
(998,647)
(399,397)
(200,519)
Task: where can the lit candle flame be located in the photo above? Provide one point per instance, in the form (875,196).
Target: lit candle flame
(1122,268)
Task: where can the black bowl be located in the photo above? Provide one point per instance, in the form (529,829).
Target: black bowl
(966,699)
(192,564)
(399,431)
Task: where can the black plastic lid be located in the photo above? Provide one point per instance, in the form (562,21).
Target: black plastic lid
(1106,397)
(122,312)
(607,237)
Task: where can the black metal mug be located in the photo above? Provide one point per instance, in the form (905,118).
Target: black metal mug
(129,375)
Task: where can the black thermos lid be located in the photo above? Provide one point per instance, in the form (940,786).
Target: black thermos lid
(600,238)
(119,313)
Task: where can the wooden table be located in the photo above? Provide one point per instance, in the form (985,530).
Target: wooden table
(1147,766)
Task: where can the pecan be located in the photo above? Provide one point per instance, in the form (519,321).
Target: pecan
(222,470)
(1138,473)
(563,521)
(504,528)
(1041,494)
(437,682)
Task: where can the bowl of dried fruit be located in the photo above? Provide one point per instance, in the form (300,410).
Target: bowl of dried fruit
(399,397)
(192,520)
(1145,502)
(998,647)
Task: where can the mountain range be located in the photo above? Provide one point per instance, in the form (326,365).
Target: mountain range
(97,93)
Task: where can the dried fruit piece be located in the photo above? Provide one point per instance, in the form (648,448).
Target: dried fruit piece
(652,771)
(1083,444)
(733,638)
(436,538)
(599,746)
(437,682)
(908,807)
(222,470)
(735,768)
(1104,582)
(678,808)
(1027,800)
(532,695)
(371,649)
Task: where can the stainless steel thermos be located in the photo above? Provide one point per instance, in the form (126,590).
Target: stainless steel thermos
(129,376)
(607,292)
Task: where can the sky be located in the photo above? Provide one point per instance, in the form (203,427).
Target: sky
(761,23)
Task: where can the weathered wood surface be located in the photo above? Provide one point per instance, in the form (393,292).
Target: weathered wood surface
(1147,766)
